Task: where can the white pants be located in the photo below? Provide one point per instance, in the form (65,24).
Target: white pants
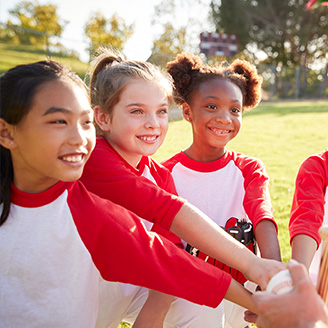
(234,315)
(122,302)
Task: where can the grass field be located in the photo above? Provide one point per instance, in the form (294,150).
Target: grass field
(12,55)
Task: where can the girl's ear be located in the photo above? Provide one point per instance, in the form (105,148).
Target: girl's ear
(6,135)
(102,119)
(186,112)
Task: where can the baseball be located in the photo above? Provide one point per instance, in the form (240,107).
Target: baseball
(280,283)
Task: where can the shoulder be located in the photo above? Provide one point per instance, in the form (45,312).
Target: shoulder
(84,203)
(320,159)
(171,162)
(245,162)
(103,159)
(102,150)
(315,165)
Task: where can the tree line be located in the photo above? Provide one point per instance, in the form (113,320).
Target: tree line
(286,34)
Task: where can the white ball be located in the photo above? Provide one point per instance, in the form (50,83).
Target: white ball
(280,283)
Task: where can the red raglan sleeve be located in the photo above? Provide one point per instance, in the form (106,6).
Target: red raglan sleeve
(107,176)
(165,181)
(309,198)
(257,200)
(123,250)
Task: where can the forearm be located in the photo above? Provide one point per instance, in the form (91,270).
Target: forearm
(266,237)
(303,249)
(197,229)
(238,294)
(153,312)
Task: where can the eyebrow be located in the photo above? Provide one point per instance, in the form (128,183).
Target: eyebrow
(218,98)
(141,104)
(52,110)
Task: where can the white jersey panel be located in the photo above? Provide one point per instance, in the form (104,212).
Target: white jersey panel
(211,191)
(57,294)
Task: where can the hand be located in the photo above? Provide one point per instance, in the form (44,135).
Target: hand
(262,270)
(300,308)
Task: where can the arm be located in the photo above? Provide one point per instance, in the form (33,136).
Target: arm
(303,249)
(307,210)
(266,236)
(300,308)
(116,239)
(236,293)
(257,204)
(200,230)
(107,176)
(153,312)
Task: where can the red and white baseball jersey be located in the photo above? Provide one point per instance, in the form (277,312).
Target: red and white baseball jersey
(235,185)
(56,245)
(109,176)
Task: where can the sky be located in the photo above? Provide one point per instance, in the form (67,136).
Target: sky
(139,12)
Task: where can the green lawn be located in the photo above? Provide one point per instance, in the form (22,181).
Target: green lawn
(12,55)
(282,135)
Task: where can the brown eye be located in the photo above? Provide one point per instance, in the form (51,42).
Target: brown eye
(211,106)
(235,110)
(58,122)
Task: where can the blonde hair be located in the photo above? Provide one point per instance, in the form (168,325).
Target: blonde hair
(110,73)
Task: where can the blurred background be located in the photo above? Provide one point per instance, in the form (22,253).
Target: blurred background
(287,42)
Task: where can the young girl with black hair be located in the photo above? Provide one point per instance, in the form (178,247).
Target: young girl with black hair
(131,100)
(58,240)
(231,188)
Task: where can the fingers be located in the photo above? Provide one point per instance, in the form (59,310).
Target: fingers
(249,316)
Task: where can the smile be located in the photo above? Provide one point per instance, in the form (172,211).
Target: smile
(148,138)
(73,158)
(220,131)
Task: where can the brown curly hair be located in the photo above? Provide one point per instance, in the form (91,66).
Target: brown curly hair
(189,72)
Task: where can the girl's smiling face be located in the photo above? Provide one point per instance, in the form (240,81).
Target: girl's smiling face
(139,121)
(215,112)
(55,139)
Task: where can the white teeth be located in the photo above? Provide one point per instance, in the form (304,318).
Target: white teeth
(221,131)
(150,138)
(73,159)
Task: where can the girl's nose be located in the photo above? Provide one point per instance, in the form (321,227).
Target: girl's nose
(152,122)
(223,117)
(78,136)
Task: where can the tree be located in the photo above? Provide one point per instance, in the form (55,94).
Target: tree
(112,32)
(229,17)
(284,30)
(36,23)
(168,45)
(180,32)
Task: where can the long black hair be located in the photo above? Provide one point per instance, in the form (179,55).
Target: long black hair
(17,89)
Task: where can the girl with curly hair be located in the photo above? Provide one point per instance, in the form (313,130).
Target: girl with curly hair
(231,188)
